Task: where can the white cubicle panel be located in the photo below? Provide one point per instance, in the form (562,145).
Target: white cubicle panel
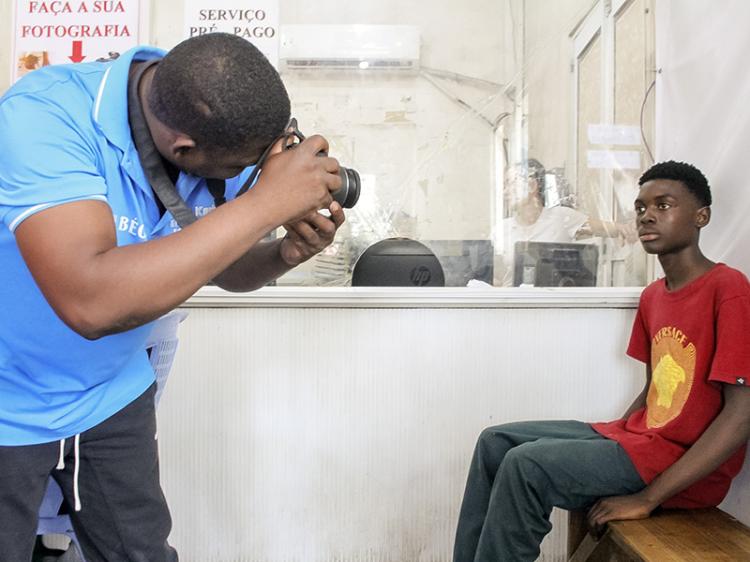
(344,434)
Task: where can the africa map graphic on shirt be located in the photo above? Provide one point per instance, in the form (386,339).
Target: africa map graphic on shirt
(673,371)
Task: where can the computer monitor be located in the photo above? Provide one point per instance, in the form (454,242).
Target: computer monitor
(555,264)
(463,260)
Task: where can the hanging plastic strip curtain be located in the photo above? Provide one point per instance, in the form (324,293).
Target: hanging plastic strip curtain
(702,114)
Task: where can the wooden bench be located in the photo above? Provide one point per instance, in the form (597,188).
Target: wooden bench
(699,535)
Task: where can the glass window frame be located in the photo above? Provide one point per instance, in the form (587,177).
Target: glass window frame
(600,22)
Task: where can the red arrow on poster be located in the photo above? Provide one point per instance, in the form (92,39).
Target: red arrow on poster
(77,55)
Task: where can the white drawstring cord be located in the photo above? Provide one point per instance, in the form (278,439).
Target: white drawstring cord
(61,459)
(76,456)
(76,461)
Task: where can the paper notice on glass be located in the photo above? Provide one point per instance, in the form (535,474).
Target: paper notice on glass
(600,133)
(256,21)
(614,159)
(162,346)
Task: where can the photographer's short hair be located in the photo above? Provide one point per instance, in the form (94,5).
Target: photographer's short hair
(690,176)
(222,91)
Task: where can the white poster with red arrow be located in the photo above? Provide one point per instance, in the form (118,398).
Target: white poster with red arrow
(61,32)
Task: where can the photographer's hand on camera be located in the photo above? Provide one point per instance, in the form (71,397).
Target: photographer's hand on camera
(297,182)
(294,185)
(311,235)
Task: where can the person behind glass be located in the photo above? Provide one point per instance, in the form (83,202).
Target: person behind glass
(683,438)
(91,258)
(532,220)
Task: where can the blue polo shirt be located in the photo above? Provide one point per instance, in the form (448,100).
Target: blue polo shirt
(64,136)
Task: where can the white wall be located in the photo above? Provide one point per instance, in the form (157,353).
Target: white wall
(345,434)
(702,118)
(702,114)
(6,17)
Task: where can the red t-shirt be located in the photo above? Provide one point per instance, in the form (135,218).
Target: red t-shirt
(696,338)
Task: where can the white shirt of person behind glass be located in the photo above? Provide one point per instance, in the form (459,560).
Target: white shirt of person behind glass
(532,221)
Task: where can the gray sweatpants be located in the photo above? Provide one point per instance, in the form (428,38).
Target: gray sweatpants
(124,515)
(520,471)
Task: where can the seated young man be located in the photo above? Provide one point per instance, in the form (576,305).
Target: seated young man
(683,439)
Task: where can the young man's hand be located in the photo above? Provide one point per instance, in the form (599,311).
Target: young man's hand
(311,235)
(618,508)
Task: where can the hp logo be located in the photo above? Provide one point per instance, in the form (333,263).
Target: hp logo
(420,276)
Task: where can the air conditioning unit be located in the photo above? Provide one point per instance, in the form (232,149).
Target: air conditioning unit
(350,47)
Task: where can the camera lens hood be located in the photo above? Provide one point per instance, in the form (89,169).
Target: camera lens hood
(348,195)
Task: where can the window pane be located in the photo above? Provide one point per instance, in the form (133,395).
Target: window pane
(589,111)
(502,104)
(632,78)
(423,142)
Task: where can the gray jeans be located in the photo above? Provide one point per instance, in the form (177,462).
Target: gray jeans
(124,515)
(520,471)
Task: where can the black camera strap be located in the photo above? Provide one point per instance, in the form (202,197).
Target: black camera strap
(290,133)
(152,162)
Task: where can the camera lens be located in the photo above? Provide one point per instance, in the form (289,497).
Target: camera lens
(348,194)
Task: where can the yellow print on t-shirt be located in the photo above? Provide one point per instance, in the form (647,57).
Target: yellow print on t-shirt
(673,371)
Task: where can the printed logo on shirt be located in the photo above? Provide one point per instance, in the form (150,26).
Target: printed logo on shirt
(131,225)
(672,375)
(199,210)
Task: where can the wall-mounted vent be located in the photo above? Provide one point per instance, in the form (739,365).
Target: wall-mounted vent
(350,47)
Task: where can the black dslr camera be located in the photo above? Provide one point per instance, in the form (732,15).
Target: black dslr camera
(346,196)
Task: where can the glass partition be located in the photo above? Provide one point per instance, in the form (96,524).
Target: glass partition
(511,150)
